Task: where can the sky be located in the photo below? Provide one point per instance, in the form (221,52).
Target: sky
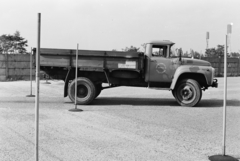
(116,24)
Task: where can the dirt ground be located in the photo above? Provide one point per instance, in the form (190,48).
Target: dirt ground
(123,124)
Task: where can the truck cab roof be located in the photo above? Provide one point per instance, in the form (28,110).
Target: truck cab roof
(161,42)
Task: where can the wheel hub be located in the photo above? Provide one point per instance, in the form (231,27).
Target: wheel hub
(187,93)
(81,91)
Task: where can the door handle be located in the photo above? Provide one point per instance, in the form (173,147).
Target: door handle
(153,60)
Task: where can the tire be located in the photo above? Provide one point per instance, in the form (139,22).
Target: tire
(86,91)
(98,89)
(188,93)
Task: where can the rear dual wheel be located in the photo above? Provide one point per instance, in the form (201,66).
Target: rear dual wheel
(188,93)
(86,91)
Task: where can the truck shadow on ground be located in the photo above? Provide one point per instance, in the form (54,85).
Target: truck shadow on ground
(218,103)
(205,103)
(135,101)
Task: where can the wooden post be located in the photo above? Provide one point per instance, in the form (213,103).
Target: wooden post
(6,65)
(238,70)
(219,65)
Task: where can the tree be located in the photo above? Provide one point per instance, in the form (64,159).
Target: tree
(131,48)
(6,43)
(144,45)
(210,52)
(196,55)
(235,55)
(12,43)
(185,54)
(220,50)
(215,52)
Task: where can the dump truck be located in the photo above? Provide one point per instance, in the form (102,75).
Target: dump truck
(159,67)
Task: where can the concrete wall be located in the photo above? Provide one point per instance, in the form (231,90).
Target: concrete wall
(15,67)
(233,65)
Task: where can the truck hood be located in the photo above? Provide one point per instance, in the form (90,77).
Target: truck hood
(197,62)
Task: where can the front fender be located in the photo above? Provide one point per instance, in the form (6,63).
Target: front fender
(206,71)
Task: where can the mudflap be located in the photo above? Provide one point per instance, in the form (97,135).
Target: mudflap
(66,83)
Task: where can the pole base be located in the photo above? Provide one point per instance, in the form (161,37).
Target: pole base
(75,110)
(222,158)
(30,95)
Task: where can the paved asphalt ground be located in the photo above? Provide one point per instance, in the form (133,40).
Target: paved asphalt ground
(127,124)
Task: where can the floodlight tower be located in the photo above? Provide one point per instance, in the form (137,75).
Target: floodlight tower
(207,39)
(229,30)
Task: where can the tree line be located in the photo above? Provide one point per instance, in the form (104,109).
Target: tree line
(210,52)
(13,43)
(219,52)
(16,44)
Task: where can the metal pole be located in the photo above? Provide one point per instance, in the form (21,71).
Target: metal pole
(31,95)
(76,76)
(225,99)
(229,31)
(76,69)
(224,157)
(37,88)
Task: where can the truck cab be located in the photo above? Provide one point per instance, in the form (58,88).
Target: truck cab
(185,77)
(160,66)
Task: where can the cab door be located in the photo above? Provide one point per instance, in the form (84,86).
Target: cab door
(161,66)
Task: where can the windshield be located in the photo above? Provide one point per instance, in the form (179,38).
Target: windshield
(159,50)
(174,52)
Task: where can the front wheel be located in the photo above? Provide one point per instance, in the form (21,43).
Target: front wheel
(188,93)
(86,91)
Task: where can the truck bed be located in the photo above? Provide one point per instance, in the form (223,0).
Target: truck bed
(91,60)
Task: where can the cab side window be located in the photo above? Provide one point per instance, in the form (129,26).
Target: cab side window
(159,51)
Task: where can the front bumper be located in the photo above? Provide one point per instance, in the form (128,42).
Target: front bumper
(215,83)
